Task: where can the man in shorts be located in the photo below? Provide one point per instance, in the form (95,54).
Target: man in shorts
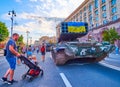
(11,55)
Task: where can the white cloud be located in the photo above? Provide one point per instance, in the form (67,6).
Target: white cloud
(37,29)
(59,8)
(43,8)
(50,8)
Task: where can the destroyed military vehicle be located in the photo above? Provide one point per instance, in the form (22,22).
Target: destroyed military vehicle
(68,49)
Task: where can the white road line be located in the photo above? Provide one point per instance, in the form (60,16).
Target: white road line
(67,83)
(110,66)
(78,64)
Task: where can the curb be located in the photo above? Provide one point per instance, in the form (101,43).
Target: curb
(110,66)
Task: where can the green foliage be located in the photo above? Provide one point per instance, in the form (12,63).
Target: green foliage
(110,35)
(20,40)
(4,33)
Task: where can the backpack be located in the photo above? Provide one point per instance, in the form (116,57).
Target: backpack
(42,49)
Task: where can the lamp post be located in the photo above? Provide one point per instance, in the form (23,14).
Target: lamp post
(27,37)
(27,41)
(13,14)
(30,40)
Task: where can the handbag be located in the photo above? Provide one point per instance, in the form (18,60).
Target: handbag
(5,52)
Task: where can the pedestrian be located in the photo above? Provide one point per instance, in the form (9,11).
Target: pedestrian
(11,55)
(19,49)
(23,50)
(42,49)
(116,47)
(37,49)
(29,52)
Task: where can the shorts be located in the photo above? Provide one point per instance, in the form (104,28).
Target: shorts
(12,63)
(42,53)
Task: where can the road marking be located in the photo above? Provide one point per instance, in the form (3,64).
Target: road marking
(78,64)
(110,66)
(67,83)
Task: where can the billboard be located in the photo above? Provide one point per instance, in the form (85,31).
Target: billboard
(73,27)
(69,31)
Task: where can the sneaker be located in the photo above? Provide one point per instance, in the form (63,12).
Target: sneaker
(11,82)
(4,79)
(14,80)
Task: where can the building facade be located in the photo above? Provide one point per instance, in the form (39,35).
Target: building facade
(99,14)
(96,12)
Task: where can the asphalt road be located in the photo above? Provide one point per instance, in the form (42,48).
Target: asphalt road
(70,75)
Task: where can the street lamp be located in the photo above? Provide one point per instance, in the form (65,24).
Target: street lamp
(30,40)
(13,14)
(27,41)
(27,37)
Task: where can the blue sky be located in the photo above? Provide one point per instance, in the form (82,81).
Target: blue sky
(31,15)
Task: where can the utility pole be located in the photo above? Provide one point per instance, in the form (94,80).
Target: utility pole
(27,41)
(27,36)
(30,40)
(13,14)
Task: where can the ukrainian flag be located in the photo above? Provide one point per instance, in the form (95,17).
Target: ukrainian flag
(76,27)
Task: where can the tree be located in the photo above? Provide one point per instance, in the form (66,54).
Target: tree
(111,35)
(20,40)
(4,33)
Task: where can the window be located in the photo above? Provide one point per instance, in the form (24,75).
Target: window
(114,17)
(104,8)
(90,16)
(113,2)
(96,3)
(104,15)
(85,19)
(104,21)
(97,24)
(80,17)
(103,1)
(96,12)
(90,19)
(96,18)
(90,7)
(84,8)
(80,12)
(84,14)
(114,10)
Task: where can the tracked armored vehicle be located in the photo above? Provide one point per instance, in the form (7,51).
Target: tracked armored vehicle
(69,49)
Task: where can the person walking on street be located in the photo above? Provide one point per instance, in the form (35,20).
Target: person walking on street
(19,49)
(42,49)
(116,47)
(37,49)
(11,55)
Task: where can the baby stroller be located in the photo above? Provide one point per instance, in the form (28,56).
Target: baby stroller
(33,71)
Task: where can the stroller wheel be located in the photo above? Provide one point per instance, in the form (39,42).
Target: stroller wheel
(30,79)
(23,76)
(41,72)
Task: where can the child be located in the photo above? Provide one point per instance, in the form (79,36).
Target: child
(34,60)
(29,53)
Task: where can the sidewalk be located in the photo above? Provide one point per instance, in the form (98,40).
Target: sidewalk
(113,61)
(1,52)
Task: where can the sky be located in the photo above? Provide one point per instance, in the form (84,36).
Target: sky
(39,17)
